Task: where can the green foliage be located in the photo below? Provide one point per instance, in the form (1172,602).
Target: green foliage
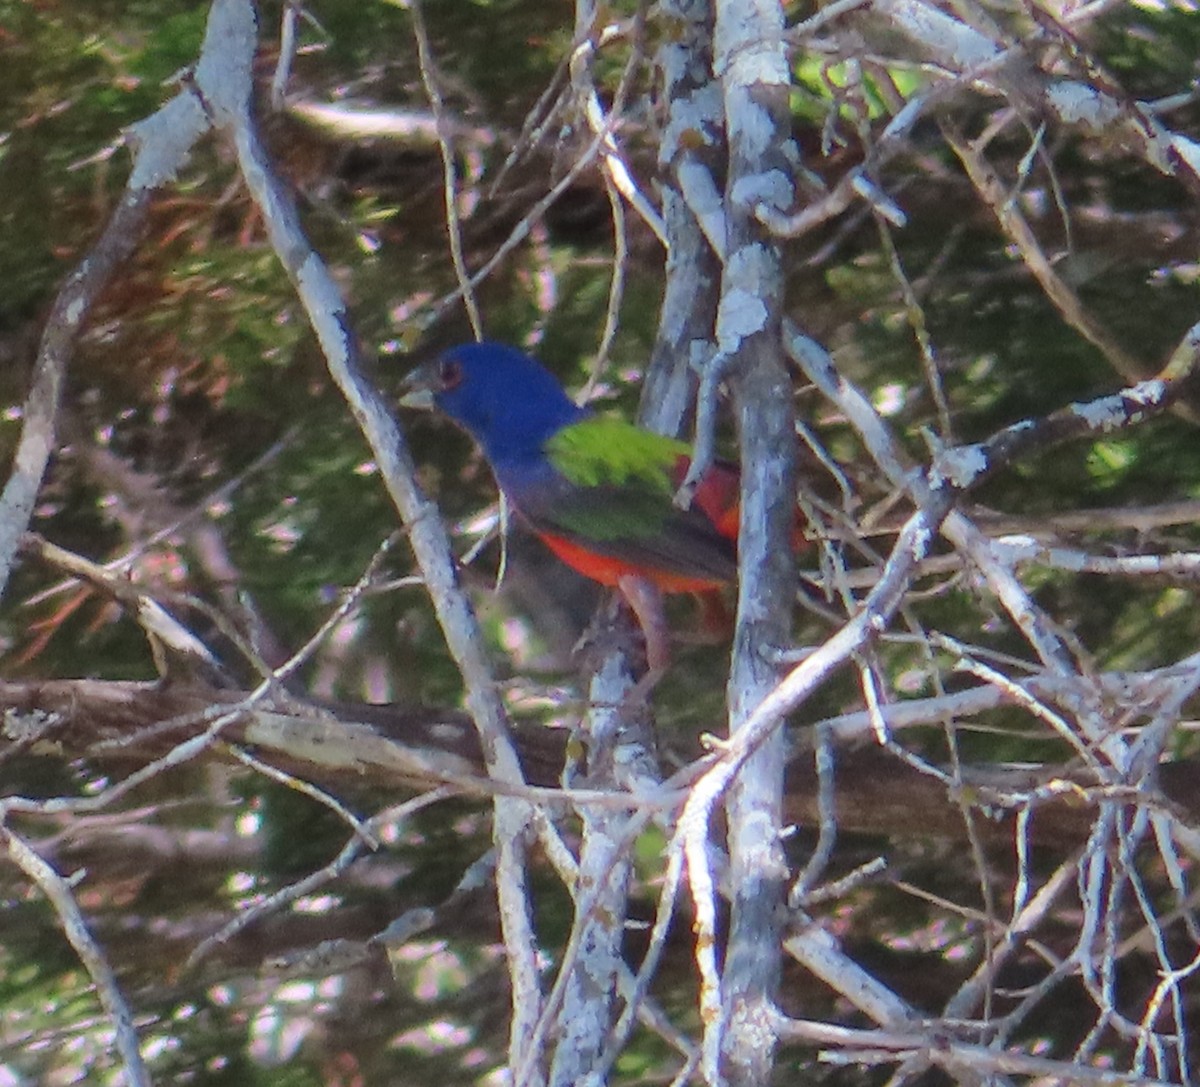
(604,450)
(198,398)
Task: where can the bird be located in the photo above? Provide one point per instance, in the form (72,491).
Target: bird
(598,490)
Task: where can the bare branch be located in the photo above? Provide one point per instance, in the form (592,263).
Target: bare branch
(229,98)
(70,917)
(162,143)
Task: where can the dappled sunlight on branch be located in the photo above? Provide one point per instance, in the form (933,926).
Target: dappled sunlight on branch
(791,673)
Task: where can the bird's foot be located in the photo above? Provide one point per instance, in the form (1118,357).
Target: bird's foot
(788,657)
(646,603)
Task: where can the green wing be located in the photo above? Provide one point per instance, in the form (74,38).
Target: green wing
(615,494)
(599,450)
(621,476)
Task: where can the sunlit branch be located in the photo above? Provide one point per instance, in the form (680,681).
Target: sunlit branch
(429,77)
(230,101)
(70,917)
(365,836)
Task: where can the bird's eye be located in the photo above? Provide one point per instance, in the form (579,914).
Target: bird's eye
(451,375)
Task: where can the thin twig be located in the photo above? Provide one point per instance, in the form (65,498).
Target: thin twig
(58,891)
(429,79)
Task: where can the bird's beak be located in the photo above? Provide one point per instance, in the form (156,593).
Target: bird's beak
(416,391)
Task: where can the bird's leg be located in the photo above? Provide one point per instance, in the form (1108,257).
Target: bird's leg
(642,598)
(715,626)
(646,602)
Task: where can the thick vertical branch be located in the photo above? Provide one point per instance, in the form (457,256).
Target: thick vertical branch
(618,741)
(228,95)
(751,62)
(690,160)
(601,892)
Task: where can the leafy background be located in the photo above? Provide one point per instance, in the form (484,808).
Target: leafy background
(199,393)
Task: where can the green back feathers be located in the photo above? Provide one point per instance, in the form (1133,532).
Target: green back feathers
(600,451)
(624,475)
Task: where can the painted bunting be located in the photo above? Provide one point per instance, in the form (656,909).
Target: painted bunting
(598,491)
